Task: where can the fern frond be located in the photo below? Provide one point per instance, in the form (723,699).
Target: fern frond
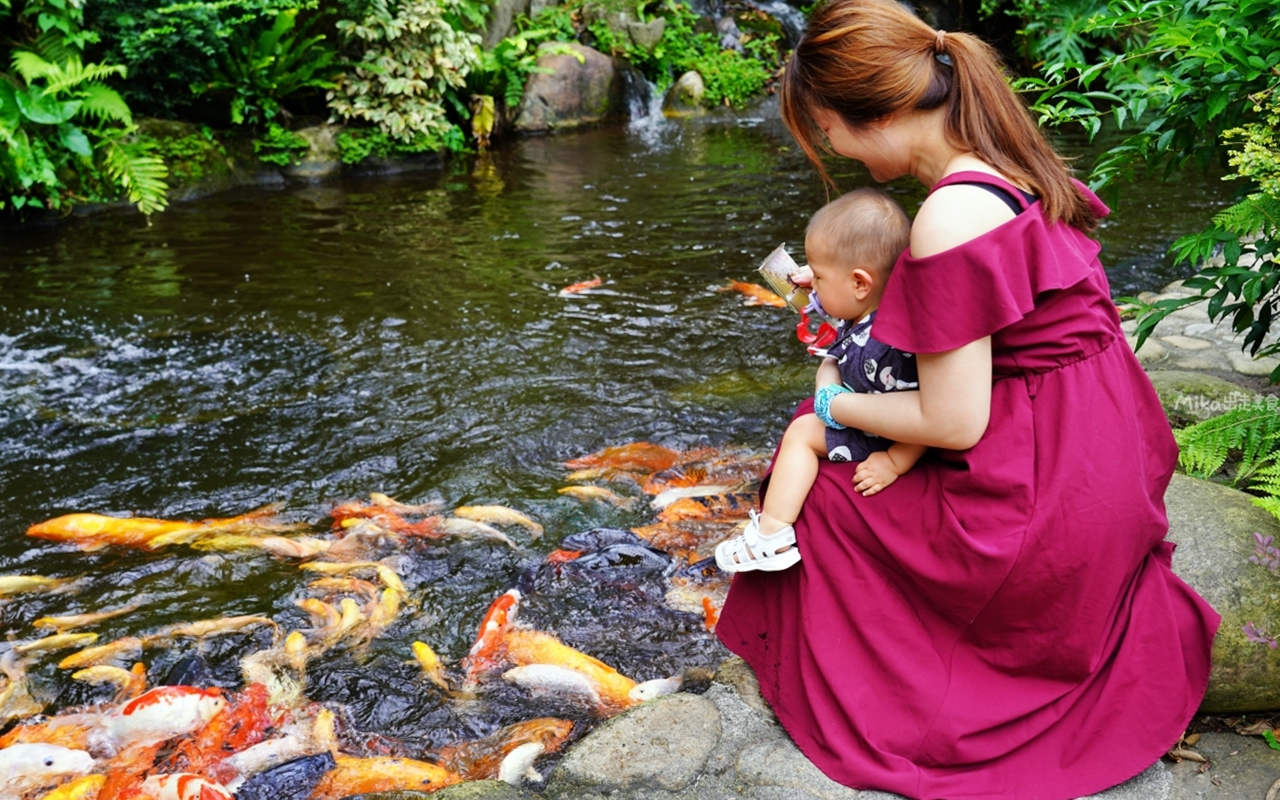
(1271,504)
(105,104)
(1257,212)
(1253,429)
(53,46)
(72,73)
(31,66)
(141,174)
(1267,479)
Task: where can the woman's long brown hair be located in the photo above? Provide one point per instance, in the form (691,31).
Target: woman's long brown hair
(868,59)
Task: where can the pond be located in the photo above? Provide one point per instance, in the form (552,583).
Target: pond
(312,344)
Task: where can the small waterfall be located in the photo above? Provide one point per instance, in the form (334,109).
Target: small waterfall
(638,93)
(793,22)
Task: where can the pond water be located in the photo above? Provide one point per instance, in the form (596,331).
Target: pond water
(311,344)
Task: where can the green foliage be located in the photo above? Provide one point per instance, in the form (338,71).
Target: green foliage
(176,48)
(60,122)
(504,70)
(260,71)
(1250,435)
(356,145)
(1057,31)
(416,57)
(280,146)
(1199,83)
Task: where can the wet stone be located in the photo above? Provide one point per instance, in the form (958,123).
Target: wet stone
(476,790)
(742,727)
(735,673)
(1151,351)
(780,764)
(1247,365)
(780,793)
(663,744)
(1186,342)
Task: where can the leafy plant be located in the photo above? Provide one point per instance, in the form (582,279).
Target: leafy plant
(417,56)
(1201,78)
(58,115)
(504,70)
(280,146)
(357,144)
(261,71)
(1250,434)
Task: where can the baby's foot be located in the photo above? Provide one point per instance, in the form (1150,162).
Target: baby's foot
(753,550)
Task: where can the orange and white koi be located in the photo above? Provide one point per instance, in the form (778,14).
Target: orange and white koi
(367,775)
(534,647)
(482,759)
(754,294)
(162,713)
(581,286)
(385,517)
(499,515)
(184,786)
(95,531)
(485,652)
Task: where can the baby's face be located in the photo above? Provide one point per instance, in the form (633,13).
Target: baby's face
(843,294)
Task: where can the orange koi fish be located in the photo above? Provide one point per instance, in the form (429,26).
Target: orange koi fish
(163,713)
(383,774)
(755,295)
(184,786)
(241,725)
(723,469)
(86,787)
(534,647)
(481,759)
(636,456)
(733,505)
(486,652)
(711,614)
(95,531)
(385,517)
(580,286)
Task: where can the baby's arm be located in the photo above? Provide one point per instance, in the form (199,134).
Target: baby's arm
(880,469)
(828,373)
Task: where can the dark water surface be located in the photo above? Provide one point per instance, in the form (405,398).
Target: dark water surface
(309,344)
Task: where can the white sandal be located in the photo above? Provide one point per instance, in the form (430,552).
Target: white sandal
(752,551)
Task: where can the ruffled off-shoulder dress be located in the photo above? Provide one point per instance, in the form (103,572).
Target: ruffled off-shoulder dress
(1001,622)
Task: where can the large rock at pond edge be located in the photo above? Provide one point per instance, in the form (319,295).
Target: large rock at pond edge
(1190,397)
(685,96)
(322,159)
(661,745)
(571,93)
(1213,527)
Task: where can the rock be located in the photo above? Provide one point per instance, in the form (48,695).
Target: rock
(616,14)
(734,672)
(730,34)
(583,88)
(646,35)
(1190,397)
(1213,526)
(742,726)
(478,790)
(198,164)
(322,159)
(502,20)
(685,96)
(660,745)
(780,765)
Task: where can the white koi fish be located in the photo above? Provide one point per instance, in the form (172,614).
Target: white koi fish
(26,766)
(162,713)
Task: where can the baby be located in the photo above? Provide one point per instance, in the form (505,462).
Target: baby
(852,244)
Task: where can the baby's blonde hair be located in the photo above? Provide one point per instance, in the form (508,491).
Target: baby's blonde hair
(864,228)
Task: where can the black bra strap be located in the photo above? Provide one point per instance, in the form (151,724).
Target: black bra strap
(1004,194)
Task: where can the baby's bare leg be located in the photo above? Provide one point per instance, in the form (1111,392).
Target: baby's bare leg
(803,445)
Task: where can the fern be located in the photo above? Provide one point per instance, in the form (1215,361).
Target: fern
(106,104)
(141,174)
(1250,432)
(1257,212)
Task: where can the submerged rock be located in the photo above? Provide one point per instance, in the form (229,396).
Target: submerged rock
(576,89)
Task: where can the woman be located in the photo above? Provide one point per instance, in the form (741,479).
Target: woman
(1001,622)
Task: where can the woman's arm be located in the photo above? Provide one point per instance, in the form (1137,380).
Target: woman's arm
(950,410)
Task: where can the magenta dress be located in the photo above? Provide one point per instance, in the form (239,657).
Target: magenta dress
(1001,622)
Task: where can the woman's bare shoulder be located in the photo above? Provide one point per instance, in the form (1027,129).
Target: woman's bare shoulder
(953,215)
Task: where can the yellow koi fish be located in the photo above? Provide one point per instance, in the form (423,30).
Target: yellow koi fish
(383,774)
(85,787)
(598,493)
(95,531)
(432,667)
(21,584)
(70,621)
(499,515)
(58,641)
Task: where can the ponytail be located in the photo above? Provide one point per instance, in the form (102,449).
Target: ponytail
(867,59)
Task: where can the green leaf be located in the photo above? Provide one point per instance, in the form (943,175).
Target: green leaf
(43,108)
(74,140)
(105,104)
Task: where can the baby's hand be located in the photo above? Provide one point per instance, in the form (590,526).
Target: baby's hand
(802,276)
(874,474)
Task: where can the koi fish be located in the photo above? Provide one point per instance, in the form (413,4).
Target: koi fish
(22,584)
(243,723)
(70,621)
(15,699)
(282,670)
(734,505)
(719,469)
(382,774)
(598,493)
(580,286)
(86,787)
(218,627)
(636,456)
(534,647)
(184,786)
(129,682)
(382,501)
(431,665)
(127,648)
(95,531)
(658,687)
(555,680)
(163,713)
(73,731)
(481,759)
(518,765)
(499,515)
(485,651)
(59,641)
(711,614)
(387,517)
(470,529)
(27,766)
(668,496)
(301,547)
(386,574)
(754,294)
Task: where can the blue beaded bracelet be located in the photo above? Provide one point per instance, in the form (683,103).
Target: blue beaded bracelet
(822,404)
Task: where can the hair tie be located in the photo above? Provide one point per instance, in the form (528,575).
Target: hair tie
(938,40)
